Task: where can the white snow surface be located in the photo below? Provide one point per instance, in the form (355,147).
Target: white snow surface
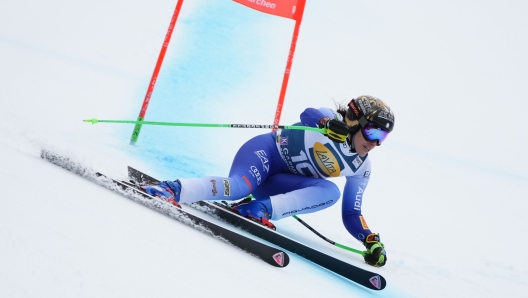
(448,189)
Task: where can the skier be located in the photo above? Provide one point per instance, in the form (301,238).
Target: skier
(286,171)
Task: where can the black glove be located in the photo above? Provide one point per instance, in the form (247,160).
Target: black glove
(337,131)
(375,254)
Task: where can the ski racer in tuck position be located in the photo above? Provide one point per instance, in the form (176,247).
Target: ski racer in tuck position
(286,171)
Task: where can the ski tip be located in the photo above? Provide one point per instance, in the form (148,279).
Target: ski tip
(377,282)
(280,259)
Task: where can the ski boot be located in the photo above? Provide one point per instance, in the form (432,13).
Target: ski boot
(257,210)
(165,190)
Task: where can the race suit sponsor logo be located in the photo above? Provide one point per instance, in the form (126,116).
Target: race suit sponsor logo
(214,187)
(264,159)
(366,174)
(357,203)
(357,162)
(363,223)
(287,159)
(326,161)
(308,208)
(227,188)
(255,172)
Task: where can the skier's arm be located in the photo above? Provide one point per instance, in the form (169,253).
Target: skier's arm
(356,224)
(312,117)
(336,130)
(351,207)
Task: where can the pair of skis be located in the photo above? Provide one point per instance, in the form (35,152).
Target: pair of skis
(271,255)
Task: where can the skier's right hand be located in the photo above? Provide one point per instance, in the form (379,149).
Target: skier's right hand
(375,254)
(336,130)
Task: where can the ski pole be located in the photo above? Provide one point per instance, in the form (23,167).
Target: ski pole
(328,240)
(323,237)
(321,130)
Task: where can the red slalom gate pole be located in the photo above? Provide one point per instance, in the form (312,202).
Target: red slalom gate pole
(298,20)
(291,9)
(152,84)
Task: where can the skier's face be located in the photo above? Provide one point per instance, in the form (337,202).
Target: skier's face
(363,146)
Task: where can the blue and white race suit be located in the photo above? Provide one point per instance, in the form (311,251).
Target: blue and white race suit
(291,167)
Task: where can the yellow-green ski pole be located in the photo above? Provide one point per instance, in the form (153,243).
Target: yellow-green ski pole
(95,121)
(328,240)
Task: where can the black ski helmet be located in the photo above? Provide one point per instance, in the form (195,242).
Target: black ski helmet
(365,109)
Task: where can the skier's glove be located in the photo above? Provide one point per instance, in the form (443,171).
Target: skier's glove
(375,254)
(337,131)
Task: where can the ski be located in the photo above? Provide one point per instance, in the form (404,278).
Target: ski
(355,274)
(273,256)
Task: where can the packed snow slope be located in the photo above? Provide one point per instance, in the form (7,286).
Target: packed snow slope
(448,189)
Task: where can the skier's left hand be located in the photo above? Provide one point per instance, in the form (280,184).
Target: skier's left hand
(336,130)
(375,254)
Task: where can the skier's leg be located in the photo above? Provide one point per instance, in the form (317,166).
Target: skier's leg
(291,194)
(254,162)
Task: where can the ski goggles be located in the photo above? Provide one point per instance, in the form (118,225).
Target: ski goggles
(371,132)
